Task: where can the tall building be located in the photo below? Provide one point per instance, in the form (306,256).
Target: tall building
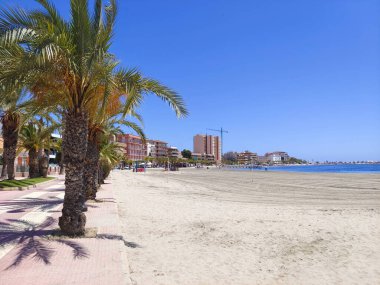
(134,148)
(207,144)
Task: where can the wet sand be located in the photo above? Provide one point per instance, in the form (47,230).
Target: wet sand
(200,226)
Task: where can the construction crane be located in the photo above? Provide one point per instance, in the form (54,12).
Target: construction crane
(221,131)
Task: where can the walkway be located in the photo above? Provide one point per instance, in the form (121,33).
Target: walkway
(30,255)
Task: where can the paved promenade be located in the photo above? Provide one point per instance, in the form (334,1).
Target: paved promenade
(29,255)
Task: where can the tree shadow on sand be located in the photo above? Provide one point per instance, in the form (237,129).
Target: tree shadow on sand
(36,241)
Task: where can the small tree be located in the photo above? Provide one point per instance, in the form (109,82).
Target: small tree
(186,153)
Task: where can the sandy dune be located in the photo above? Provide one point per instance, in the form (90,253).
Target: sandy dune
(201,226)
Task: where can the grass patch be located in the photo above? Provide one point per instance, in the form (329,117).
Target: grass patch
(23,182)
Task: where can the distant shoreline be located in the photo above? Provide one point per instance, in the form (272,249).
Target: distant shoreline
(313,168)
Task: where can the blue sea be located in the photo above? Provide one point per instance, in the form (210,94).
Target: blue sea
(335,168)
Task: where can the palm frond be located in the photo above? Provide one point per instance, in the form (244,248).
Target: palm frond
(136,87)
(53,15)
(14,18)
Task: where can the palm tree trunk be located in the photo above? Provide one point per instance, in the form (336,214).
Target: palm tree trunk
(33,163)
(43,165)
(61,170)
(59,158)
(90,177)
(60,164)
(100,174)
(3,170)
(10,135)
(74,145)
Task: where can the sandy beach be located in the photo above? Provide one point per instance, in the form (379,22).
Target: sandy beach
(200,226)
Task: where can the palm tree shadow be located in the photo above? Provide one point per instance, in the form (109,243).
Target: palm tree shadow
(36,241)
(29,203)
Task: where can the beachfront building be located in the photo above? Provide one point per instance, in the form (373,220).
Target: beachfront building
(246,157)
(277,157)
(151,149)
(134,148)
(173,152)
(157,149)
(208,146)
(161,148)
(262,159)
(202,156)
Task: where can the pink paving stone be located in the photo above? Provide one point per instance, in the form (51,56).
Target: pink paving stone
(104,260)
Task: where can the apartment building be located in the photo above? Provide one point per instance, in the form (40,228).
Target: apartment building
(247,157)
(262,159)
(157,148)
(134,147)
(173,152)
(208,145)
(277,156)
(151,149)
(203,156)
(161,149)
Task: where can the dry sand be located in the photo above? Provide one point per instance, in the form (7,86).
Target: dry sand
(199,226)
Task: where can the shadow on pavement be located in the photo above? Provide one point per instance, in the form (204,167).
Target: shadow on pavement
(36,241)
(18,206)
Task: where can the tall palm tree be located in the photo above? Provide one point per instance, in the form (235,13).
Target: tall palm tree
(60,60)
(99,136)
(104,122)
(65,63)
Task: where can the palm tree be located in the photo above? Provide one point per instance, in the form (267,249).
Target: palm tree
(99,146)
(126,92)
(33,138)
(10,121)
(104,122)
(60,61)
(11,112)
(110,156)
(66,63)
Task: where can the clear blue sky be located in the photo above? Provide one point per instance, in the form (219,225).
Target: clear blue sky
(300,76)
